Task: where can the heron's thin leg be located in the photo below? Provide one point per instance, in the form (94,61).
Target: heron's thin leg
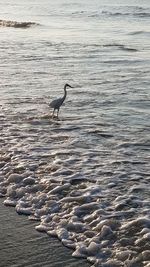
(57,112)
(53,113)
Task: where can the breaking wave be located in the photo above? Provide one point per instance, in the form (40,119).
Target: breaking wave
(16,24)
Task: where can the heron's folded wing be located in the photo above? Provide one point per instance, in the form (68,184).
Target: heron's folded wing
(55,102)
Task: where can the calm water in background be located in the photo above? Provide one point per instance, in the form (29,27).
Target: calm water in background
(103,50)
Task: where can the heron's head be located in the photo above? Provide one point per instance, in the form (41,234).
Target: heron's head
(67,85)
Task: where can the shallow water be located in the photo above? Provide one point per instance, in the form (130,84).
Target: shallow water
(84,177)
(21,246)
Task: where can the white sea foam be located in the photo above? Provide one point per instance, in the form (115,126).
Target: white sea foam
(80,214)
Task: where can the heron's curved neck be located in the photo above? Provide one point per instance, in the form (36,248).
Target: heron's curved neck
(65,92)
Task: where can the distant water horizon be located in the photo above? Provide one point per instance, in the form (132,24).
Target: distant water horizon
(84,178)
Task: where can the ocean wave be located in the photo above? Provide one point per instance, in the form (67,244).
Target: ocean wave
(121,47)
(138,32)
(130,13)
(16,24)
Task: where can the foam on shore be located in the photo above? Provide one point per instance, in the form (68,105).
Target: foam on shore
(95,222)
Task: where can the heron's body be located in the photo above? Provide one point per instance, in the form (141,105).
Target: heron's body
(57,103)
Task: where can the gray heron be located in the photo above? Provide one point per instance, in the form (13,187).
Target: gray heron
(56,103)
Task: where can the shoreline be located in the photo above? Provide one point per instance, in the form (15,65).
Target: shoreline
(21,245)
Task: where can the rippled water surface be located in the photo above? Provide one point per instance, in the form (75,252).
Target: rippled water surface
(85,176)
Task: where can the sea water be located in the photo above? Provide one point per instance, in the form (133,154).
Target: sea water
(84,176)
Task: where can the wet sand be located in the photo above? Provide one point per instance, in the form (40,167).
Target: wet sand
(21,245)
